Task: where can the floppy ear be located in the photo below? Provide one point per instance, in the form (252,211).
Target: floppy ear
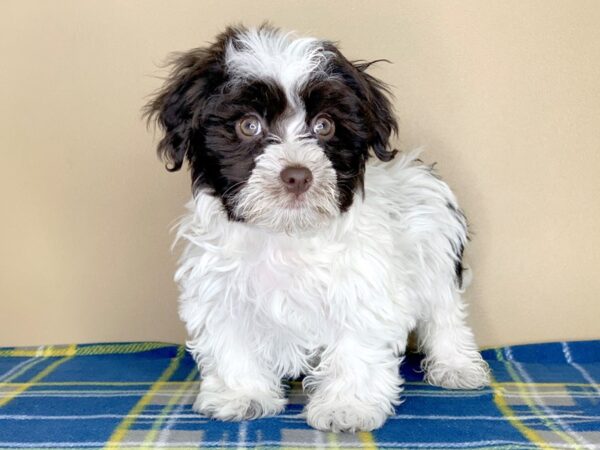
(375,98)
(175,107)
(379,109)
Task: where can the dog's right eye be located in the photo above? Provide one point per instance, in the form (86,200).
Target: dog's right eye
(323,127)
(248,127)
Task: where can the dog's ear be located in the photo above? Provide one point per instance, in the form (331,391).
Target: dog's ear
(379,110)
(375,97)
(177,106)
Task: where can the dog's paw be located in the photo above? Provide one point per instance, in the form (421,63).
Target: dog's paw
(350,416)
(471,374)
(226,404)
(238,406)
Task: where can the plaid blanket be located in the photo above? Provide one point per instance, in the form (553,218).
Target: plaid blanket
(139,395)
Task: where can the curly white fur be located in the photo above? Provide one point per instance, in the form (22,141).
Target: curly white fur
(335,303)
(263,53)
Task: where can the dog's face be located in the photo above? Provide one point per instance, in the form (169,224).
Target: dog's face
(279,128)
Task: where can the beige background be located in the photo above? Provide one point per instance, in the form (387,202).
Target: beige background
(505,96)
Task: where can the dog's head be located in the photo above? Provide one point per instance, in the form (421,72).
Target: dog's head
(278,127)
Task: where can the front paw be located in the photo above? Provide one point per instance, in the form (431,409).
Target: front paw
(471,374)
(344,415)
(227,404)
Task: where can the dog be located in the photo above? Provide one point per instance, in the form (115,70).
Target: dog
(311,247)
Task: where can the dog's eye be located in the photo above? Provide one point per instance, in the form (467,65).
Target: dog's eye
(248,127)
(323,127)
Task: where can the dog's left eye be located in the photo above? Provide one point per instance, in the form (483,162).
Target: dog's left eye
(323,127)
(248,127)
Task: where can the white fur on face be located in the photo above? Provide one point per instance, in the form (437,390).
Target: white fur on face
(272,54)
(265,202)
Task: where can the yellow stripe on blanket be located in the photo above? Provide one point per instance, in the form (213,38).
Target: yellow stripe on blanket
(510,415)
(164,416)
(69,353)
(366,438)
(124,426)
(96,349)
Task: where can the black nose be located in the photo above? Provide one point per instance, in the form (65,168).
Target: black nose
(296,179)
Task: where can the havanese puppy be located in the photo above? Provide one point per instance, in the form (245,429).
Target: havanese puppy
(310,247)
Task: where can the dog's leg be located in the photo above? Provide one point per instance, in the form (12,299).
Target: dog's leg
(235,385)
(452,358)
(355,386)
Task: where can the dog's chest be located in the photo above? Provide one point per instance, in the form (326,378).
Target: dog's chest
(296,287)
(316,283)
(292,274)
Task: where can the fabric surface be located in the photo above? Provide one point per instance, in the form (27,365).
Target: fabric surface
(139,395)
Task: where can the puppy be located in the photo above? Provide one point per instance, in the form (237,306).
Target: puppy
(310,247)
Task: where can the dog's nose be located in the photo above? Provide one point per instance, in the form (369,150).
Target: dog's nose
(296,179)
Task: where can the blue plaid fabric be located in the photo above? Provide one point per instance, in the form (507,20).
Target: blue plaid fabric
(139,395)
